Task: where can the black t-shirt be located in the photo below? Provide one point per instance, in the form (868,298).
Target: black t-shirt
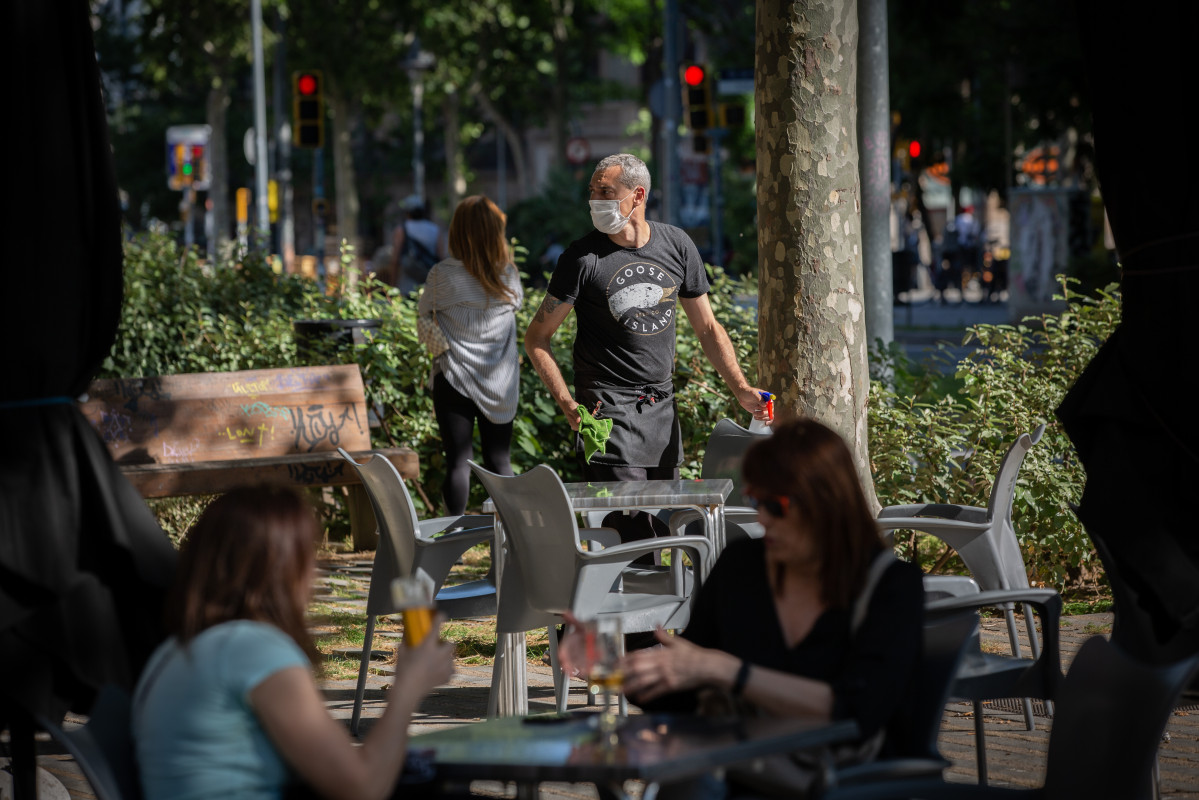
(872,672)
(625,302)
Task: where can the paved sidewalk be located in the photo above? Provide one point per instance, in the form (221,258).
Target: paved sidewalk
(1015,756)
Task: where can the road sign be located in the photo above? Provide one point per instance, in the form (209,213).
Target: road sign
(578,151)
(187,157)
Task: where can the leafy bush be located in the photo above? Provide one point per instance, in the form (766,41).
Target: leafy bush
(181,315)
(929,441)
(929,448)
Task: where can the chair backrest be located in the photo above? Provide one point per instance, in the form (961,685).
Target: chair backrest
(103,748)
(395,556)
(999,512)
(1108,721)
(542,545)
(1003,491)
(725,452)
(914,731)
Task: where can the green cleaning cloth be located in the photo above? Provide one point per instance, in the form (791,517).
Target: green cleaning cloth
(595,433)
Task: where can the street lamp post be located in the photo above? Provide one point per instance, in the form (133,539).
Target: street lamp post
(417,62)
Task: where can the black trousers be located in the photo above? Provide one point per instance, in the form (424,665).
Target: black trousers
(456,416)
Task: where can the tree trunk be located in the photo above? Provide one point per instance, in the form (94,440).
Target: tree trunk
(562,10)
(812,327)
(218,164)
(512,136)
(345,183)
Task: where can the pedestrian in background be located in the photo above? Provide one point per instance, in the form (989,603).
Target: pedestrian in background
(473,296)
(416,245)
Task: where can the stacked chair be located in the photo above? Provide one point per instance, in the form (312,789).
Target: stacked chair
(408,546)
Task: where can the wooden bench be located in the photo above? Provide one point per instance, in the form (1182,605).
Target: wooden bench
(207,433)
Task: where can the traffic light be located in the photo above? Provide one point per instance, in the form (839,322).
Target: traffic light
(308,108)
(188,167)
(697,98)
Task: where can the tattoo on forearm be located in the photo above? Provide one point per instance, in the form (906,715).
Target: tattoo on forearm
(548,305)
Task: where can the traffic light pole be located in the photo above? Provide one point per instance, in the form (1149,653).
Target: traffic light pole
(670,117)
(260,166)
(717,257)
(318,219)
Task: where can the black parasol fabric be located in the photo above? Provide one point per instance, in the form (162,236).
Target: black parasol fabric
(83,563)
(1131,415)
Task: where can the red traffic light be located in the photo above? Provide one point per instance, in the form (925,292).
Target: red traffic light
(693,75)
(914,149)
(306,84)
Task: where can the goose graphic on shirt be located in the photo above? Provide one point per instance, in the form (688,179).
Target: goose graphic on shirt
(641,298)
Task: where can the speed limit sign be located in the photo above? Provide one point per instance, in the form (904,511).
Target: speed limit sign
(577,150)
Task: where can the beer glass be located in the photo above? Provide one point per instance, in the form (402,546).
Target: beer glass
(414,598)
(602,640)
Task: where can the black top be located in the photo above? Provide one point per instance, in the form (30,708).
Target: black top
(871,672)
(625,302)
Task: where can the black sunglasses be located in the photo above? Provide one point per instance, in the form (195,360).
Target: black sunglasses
(775,505)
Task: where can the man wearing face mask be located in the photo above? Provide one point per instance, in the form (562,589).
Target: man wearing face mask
(622,280)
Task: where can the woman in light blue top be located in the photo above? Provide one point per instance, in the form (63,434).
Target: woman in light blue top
(474,297)
(228,707)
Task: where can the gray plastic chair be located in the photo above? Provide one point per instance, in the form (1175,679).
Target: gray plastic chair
(987,676)
(103,747)
(408,545)
(1111,713)
(722,459)
(911,750)
(984,538)
(547,572)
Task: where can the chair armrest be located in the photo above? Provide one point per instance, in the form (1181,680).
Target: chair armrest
(431,531)
(605,537)
(1046,600)
(927,789)
(950,586)
(602,569)
(685,516)
(437,556)
(1048,604)
(933,525)
(945,511)
(681,519)
(888,769)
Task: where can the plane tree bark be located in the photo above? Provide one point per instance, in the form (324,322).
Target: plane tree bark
(812,327)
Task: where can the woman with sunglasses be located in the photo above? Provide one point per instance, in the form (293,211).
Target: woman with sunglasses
(772,629)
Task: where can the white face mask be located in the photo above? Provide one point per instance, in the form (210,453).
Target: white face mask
(606,216)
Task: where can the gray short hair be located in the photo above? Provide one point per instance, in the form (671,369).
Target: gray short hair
(633,172)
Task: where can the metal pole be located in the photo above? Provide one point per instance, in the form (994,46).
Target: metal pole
(418,128)
(670,111)
(874,166)
(287,228)
(717,256)
(260,165)
(501,169)
(318,220)
(186,207)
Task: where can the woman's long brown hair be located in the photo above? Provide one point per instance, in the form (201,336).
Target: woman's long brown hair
(249,556)
(477,240)
(810,463)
